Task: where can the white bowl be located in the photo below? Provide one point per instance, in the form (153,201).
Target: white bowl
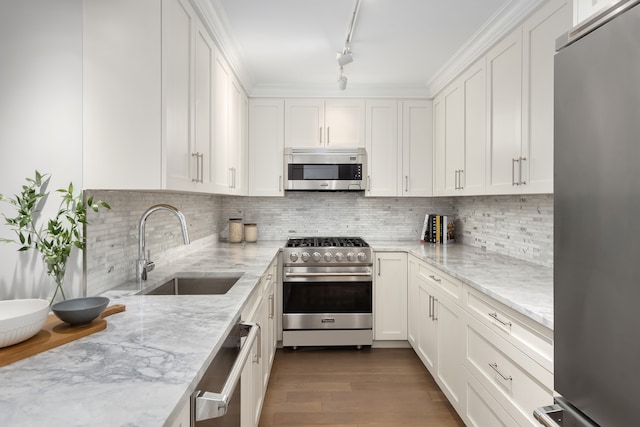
(20,319)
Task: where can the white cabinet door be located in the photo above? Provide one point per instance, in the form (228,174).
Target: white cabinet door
(413,303)
(222,77)
(427,327)
(540,32)
(471,178)
(390,284)
(383,148)
(454,127)
(266,147)
(417,148)
(178,29)
(320,123)
(504,64)
(344,123)
(122,99)
(439,146)
(449,372)
(304,123)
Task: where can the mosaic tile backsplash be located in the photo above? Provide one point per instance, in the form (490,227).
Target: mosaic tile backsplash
(519,226)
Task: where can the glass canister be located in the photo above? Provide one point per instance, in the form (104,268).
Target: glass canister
(235,230)
(250,232)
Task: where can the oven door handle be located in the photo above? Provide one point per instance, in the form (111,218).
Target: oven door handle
(326,274)
(206,404)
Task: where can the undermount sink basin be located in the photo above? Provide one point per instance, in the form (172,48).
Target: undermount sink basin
(212,285)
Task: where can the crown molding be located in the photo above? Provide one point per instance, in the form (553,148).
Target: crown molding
(502,23)
(498,26)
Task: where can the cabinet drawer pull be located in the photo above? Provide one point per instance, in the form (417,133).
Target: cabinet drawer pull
(495,316)
(430,307)
(522,159)
(494,366)
(435,279)
(460,186)
(513,171)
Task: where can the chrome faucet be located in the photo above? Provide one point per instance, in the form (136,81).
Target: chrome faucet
(145,265)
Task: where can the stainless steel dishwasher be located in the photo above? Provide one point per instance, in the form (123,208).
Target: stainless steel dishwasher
(210,408)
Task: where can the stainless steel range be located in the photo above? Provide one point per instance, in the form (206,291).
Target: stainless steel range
(327,296)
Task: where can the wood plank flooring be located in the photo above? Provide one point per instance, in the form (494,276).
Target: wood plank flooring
(345,387)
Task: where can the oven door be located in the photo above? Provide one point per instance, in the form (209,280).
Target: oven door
(327,298)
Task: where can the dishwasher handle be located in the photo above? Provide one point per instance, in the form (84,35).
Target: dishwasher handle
(206,404)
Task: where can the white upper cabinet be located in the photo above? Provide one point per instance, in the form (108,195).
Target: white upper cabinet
(384,150)
(460,134)
(324,123)
(539,34)
(399,148)
(266,147)
(520,78)
(122,111)
(156,104)
(417,148)
(504,65)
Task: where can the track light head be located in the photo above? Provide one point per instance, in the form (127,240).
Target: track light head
(342,80)
(344,58)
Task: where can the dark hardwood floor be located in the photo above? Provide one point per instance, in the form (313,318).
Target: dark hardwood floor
(340,387)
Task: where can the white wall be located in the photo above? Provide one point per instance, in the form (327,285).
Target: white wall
(40,122)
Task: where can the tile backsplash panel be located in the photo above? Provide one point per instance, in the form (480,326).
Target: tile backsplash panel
(301,214)
(518,226)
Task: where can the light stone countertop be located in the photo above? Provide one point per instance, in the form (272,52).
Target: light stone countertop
(142,369)
(523,286)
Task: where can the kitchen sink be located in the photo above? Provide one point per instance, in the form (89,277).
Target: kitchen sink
(210,285)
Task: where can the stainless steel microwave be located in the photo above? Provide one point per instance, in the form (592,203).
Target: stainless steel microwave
(325,169)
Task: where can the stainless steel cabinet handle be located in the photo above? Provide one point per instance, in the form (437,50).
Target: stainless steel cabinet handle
(325,274)
(368,183)
(206,404)
(455,180)
(460,186)
(328,135)
(197,157)
(494,366)
(406,183)
(320,142)
(435,279)
(271,306)
(430,307)
(201,167)
(513,171)
(280,183)
(378,266)
(435,304)
(495,316)
(522,159)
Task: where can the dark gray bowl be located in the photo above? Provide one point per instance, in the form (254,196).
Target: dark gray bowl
(80,311)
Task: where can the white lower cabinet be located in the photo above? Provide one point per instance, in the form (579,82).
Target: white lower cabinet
(390,290)
(255,375)
(494,365)
(438,326)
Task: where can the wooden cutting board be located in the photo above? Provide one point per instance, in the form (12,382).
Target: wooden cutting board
(54,333)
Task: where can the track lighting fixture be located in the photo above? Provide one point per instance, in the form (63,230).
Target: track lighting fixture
(346,56)
(342,80)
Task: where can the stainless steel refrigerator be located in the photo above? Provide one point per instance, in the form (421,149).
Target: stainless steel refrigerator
(597,223)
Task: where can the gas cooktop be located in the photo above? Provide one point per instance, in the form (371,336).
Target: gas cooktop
(327,242)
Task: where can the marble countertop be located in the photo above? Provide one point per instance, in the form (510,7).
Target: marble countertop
(523,286)
(144,366)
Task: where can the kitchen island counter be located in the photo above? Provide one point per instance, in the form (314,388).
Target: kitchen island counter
(142,369)
(523,286)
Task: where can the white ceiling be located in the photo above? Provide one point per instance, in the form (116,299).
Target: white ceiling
(401,48)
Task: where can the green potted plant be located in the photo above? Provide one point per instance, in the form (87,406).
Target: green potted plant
(55,239)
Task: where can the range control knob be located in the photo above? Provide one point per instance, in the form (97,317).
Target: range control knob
(305,256)
(327,256)
(351,256)
(362,257)
(339,256)
(316,256)
(293,256)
